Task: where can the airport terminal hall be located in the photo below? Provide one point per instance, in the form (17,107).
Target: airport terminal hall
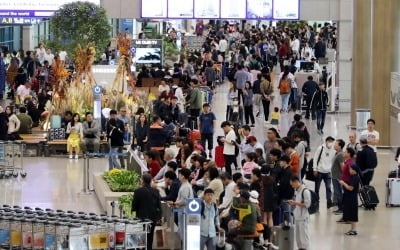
(199,124)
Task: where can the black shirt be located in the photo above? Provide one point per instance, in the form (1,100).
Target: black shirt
(147,203)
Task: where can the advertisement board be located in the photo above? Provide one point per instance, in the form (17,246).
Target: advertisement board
(154,8)
(206,9)
(233,9)
(259,9)
(288,9)
(147,51)
(180,9)
(29,8)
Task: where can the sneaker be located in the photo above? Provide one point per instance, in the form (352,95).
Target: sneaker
(70,156)
(351,233)
(270,245)
(329,205)
(252,125)
(76,156)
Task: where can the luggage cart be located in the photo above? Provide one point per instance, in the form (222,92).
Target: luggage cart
(11,159)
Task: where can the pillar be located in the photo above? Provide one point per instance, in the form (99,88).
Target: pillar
(28,42)
(362,53)
(384,17)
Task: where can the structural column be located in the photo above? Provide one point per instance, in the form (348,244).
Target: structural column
(384,56)
(362,54)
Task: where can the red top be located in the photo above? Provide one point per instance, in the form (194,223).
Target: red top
(154,167)
(346,170)
(219,156)
(295,163)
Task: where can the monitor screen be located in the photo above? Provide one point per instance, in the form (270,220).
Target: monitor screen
(180,9)
(233,9)
(206,9)
(307,66)
(147,51)
(154,8)
(259,9)
(29,8)
(286,9)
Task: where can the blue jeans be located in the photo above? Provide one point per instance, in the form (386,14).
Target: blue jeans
(338,192)
(113,161)
(210,242)
(327,181)
(321,113)
(285,101)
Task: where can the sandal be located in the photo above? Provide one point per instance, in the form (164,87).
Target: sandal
(351,233)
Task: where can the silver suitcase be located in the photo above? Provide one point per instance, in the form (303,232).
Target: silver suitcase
(392,192)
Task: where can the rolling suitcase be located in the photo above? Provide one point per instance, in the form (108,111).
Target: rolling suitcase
(368,197)
(283,235)
(393,189)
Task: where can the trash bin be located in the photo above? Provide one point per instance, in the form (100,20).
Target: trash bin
(362,116)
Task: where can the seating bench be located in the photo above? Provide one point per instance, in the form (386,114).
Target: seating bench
(51,146)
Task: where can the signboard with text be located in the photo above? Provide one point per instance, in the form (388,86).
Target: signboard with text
(29,8)
(148,50)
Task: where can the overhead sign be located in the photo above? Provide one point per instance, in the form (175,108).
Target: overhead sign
(206,9)
(147,50)
(233,9)
(29,8)
(154,8)
(180,9)
(259,9)
(288,9)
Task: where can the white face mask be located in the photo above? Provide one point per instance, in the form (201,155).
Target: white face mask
(329,145)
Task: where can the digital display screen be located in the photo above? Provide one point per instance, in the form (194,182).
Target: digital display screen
(233,9)
(180,8)
(206,9)
(147,51)
(29,8)
(154,8)
(259,9)
(287,9)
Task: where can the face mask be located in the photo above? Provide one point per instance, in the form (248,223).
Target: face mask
(329,145)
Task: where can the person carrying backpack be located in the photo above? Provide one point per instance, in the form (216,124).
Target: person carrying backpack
(284,91)
(302,203)
(209,225)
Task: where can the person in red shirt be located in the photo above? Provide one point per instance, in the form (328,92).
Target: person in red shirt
(348,161)
(219,153)
(294,158)
(152,158)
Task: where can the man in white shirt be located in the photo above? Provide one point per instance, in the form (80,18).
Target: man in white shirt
(372,134)
(229,185)
(322,168)
(296,45)
(49,56)
(23,91)
(229,146)
(223,45)
(63,55)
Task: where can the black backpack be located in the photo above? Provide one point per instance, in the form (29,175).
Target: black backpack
(314,205)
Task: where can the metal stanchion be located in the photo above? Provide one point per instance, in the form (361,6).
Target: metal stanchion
(86,189)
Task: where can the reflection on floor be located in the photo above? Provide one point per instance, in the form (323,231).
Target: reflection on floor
(57,183)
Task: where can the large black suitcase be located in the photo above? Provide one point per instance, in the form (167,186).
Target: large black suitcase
(369,197)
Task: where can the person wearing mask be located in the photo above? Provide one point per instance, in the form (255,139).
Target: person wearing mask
(209,224)
(115,130)
(25,121)
(366,160)
(320,102)
(241,77)
(322,168)
(75,135)
(229,146)
(13,124)
(301,203)
(266,89)
(337,163)
(207,123)
(372,134)
(147,205)
(308,90)
(91,133)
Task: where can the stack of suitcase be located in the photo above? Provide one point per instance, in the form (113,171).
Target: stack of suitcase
(393,189)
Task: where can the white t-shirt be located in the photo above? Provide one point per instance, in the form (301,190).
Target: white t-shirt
(63,55)
(223,45)
(49,58)
(373,135)
(162,88)
(22,91)
(229,149)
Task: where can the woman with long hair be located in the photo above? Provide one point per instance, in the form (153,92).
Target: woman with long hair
(141,132)
(75,135)
(232,93)
(13,124)
(284,90)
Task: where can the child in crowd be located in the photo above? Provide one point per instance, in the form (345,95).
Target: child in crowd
(219,154)
(259,158)
(275,118)
(249,165)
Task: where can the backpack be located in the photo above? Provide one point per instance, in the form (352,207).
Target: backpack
(284,87)
(314,205)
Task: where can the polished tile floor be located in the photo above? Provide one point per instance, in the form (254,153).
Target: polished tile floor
(57,183)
